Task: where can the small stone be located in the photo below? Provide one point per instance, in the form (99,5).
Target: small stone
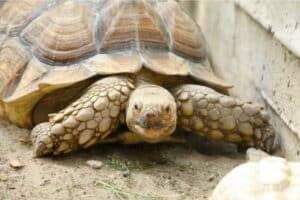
(187,108)
(114,111)
(57,129)
(101,103)
(246,128)
(202,103)
(104,125)
(228,123)
(16,163)
(114,95)
(251,109)
(85,114)
(227,101)
(85,136)
(183,96)
(70,122)
(91,124)
(95,164)
(214,114)
(216,135)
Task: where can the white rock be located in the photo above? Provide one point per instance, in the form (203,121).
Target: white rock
(95,164)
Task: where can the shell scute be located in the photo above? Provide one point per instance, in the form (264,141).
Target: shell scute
(13,59)
(15,15)
(185,35)
(62,34)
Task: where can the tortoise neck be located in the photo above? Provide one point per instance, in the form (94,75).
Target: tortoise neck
(147,77)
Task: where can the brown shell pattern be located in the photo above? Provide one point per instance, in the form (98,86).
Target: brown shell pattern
(15,14)
(46,45)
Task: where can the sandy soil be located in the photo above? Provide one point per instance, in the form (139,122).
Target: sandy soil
(162,171)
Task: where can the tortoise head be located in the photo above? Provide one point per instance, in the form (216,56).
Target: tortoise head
(151,113)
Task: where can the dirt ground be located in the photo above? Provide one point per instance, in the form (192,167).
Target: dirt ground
(165,171)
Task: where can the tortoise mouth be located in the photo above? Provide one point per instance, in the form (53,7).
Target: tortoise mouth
(154,133)
(150,124)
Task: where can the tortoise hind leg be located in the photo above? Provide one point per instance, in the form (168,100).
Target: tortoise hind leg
(215,116)
(86,121)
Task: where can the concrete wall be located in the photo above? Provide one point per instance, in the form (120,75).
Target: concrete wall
(256,45)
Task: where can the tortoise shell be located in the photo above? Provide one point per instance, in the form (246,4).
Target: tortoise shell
(47,45)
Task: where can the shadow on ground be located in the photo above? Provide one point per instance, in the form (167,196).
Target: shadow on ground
(162,171)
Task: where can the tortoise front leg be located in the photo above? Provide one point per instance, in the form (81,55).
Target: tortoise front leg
(215,116)
(86,121)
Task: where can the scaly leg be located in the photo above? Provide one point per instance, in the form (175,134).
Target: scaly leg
(86,121)
(215,116)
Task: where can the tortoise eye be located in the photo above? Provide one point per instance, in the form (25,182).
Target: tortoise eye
(137,106)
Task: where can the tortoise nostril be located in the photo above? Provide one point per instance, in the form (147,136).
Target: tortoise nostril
(150,115)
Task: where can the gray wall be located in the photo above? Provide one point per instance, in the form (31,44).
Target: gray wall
(256,45)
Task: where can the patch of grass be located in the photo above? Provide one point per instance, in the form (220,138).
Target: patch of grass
(204,167)
(117,163)
(123,194)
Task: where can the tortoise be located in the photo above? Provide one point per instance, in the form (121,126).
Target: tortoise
(263,177)
(79,71)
